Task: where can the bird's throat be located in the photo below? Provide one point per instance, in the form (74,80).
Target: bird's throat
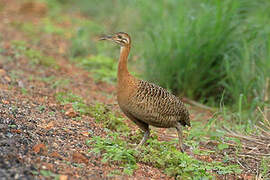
(122,65)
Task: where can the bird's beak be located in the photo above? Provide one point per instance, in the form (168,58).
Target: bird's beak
(105,37)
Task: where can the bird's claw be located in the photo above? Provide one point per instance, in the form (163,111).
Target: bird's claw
(184,147)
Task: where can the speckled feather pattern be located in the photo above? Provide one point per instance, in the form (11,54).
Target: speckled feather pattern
(154,105)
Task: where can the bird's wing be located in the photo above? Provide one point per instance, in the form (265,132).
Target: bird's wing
(155,105)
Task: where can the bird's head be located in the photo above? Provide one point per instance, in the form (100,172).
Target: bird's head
(121,38)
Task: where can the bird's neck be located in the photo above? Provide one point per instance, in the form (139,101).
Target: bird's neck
(122,65)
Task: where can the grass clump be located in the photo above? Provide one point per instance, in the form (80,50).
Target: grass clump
(114,150)
(161,155)
(54,82)
(27,27)
(108,118)
(209,51)
(82,41)
(49,27)
(100,112)
(186,52)
(37,58)
(76,101)
(46,25)
(164,155)
(103,68)
(34,56)
(265,168)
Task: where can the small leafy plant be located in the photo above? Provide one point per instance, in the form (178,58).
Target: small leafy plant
(163,155)
(99,111)
(34,56)
(103,68)
(114,150)
(77,102)
(108,118)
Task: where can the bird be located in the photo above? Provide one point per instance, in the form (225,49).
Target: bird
(146,103)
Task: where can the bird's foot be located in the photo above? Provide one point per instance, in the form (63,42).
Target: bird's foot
(138,147)
(184,148)
(133,145)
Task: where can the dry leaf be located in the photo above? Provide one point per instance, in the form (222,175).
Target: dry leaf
(52,105)
(79,158)
(48,166)
(55,155)
(85,133)
(247,177)
(50,125)
(63,177)
(2,72)
(39,148)
(18,131)
(71,113)
(68,106)
(5,102)
(7,79)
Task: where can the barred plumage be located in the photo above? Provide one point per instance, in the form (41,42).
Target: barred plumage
(146,103)
(156,106)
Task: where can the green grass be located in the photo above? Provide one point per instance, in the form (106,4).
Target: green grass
(103,68)
(114,151)
(47,174)
(46,25)
(265,168)
(99,112)
(213,52)
(83,41)
(54,82)
(34,56)
(162,155)
(77,102)
(117,148)
(104,115)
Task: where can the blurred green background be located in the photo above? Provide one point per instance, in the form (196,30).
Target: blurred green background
(213,52)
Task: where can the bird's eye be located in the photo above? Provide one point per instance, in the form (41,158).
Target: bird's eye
(119,36)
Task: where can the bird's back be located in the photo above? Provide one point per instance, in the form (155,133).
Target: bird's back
(155,106)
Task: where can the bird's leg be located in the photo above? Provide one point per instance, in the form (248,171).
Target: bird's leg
(143,126)
(145,137)
(180,136)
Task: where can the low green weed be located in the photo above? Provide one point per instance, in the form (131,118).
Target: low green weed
(34,56)
(265,167)
(163,155)
(77,102)
(48,174)
(54,83)
(103,68)
(52,113)
(49,27)
(14,75)
(37,58)
(26,27)
(114,150)
(81,44)
(45,25)
(24,91)
(41,108)
(100,112)
(108,118)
